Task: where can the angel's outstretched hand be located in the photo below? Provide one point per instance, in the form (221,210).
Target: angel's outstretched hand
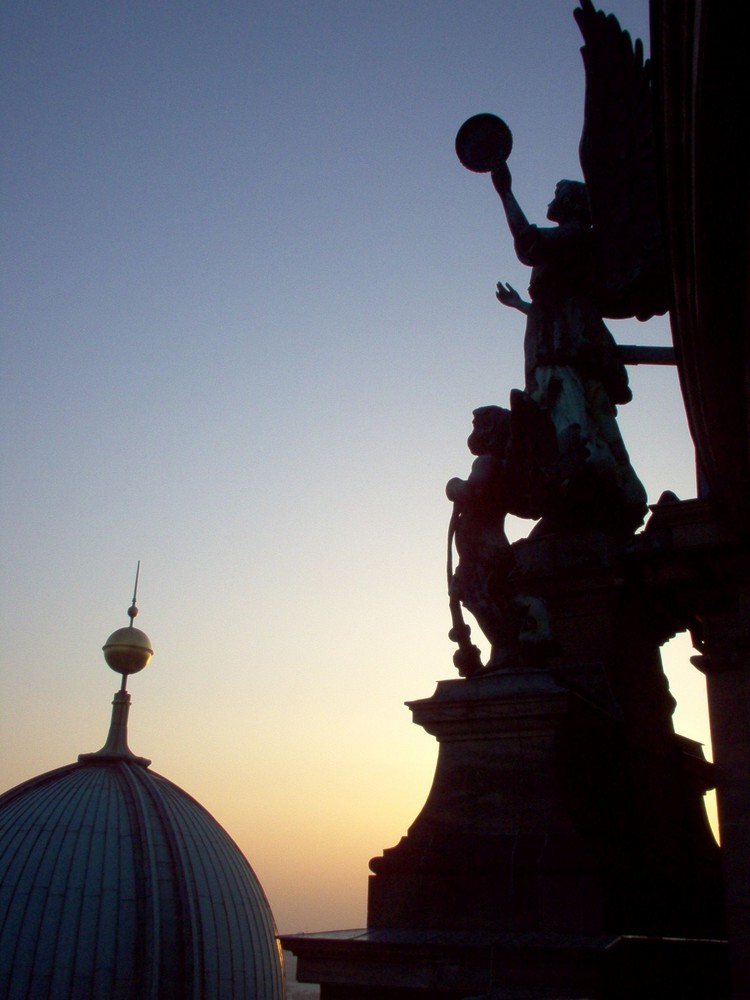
(509,296)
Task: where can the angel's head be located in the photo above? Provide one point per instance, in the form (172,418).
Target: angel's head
(570,204)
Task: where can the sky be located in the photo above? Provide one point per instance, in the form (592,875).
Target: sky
(247,311)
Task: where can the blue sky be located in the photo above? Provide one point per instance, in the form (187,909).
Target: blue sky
(248,308)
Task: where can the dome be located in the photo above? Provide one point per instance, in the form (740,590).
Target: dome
(115,884)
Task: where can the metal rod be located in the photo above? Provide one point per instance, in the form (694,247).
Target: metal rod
(634,355)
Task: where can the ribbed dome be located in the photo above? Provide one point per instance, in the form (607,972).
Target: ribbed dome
(115,883)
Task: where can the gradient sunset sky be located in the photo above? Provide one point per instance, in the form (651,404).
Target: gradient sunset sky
(248,308)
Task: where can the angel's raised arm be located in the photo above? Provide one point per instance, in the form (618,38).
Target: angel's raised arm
(517,221)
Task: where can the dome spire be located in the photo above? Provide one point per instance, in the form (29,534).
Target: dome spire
(127,651)
(133,610)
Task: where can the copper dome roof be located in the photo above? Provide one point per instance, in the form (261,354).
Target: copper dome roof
(115,883)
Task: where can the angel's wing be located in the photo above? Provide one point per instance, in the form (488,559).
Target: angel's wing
(619,164)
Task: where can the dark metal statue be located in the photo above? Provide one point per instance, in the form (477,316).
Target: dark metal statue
(563,452)
(480,505)
(573,370)
(486,581)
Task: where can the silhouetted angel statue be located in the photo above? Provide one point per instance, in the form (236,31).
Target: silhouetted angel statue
(602,258)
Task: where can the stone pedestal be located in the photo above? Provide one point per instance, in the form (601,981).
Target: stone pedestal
(535,869)
(535,820)
(495,845)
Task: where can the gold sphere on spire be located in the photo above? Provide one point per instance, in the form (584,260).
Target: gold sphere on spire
(128,650)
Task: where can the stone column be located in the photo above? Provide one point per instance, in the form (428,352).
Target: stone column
(726,664)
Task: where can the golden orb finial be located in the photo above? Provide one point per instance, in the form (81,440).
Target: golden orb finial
(128,650)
